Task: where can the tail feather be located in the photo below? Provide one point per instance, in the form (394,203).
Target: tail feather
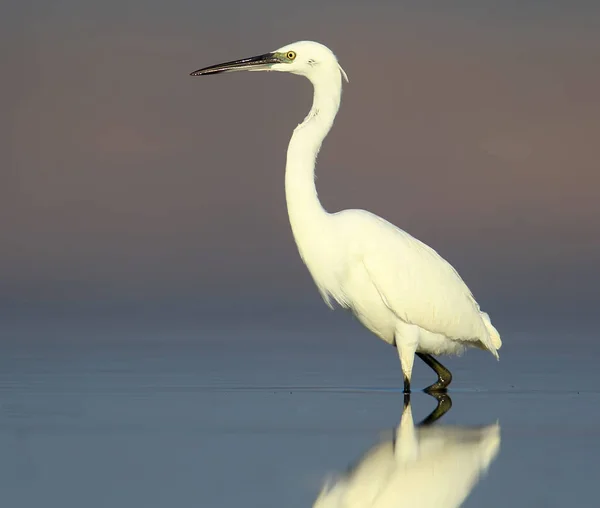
(494,335)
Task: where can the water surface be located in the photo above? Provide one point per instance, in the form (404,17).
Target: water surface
(222,418)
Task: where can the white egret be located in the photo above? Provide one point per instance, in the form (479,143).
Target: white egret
(425,466)
(399,288)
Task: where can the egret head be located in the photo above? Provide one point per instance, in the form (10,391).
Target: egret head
(305,58)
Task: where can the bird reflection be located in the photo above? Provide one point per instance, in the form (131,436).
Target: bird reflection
(423,466)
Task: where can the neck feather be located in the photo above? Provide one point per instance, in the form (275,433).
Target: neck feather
(304,207)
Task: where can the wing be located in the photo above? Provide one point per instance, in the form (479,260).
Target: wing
(421,287)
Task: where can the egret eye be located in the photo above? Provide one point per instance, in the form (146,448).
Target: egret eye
(290,55)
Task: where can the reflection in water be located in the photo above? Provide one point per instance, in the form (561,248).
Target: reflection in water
(424,466)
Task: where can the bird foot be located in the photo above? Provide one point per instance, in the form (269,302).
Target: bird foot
(438,387)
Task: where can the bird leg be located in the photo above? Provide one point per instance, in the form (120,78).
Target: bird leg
(406,340)
(406,401)
(444,376)
(444,403)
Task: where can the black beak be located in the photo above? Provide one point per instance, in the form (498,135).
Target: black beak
(260,62)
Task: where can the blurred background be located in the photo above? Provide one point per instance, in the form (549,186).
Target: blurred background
(128,188)
(160,338)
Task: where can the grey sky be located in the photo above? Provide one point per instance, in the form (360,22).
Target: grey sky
(474,127)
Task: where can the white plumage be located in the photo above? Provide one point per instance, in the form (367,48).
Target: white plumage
(398,287)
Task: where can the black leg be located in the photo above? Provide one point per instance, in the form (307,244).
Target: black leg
(406,385)
(444,403)
(444,376)
(406,401)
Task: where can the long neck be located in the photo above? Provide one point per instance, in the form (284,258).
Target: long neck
(304,208)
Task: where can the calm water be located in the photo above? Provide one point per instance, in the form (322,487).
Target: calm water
(254,417)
